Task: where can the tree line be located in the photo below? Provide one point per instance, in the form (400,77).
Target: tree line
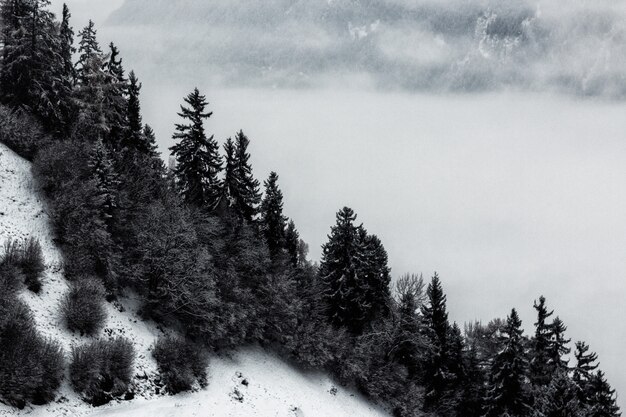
(212,254)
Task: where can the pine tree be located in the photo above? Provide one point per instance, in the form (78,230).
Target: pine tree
(586,364)
(435,317)
(602,400)
(559,398)
(472,399)
(375,271)
(292,243)
(230,174)
(32,71)
(506,395)
(91,95)
(149,142)
(409,343)
(198,162)
(246,194)
(338,272)
(116,104)
(351,295)
(558,345)
(89,49)
(540,372)
(272,219)
(67,45)
(135,138)
(106,181)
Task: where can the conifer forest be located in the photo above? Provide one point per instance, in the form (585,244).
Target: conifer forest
(213,263)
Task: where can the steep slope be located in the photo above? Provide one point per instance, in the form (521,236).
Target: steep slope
(249,383)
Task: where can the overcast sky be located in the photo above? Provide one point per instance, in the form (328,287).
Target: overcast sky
(482,142)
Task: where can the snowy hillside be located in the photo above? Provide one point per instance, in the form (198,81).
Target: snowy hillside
(250,383)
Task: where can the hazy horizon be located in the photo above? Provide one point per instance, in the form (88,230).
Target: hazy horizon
(508,191)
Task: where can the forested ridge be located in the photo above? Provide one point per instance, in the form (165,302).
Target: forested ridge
(213,256)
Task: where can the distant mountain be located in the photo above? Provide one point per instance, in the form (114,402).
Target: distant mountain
(454,45)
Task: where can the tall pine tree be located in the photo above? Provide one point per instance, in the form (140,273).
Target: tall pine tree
(292,243)
(434,312)
(198,162)
(246,194)
(540,372)
(352,295)
(602,399)
(272,219)
(32,71)
(507,391)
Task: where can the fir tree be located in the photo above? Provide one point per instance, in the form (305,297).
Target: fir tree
(89,49)
(540,372)
(67,45)
(246,194)
(602,400)
(106,181)
(471,402)
(91,95)
(409,345)
(506,395)
(198,162)
(32,71)
(558,345)
(230,174)
(135,138)
(586,364)
(292,243)
(351,294)
(272,219)
(149,142)
(559,398)
(373,269)
(116,104)
(435,317)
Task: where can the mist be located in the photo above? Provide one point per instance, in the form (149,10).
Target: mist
(483,140)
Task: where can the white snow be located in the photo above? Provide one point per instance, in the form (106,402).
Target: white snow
(251,382)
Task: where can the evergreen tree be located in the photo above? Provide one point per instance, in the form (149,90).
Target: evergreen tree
(198,162)
(149,142)
(292,243)
(351,295)
(135,138)
(246,194)
(435,316)
(584,369)
(410,345)
(230,174)
(602,400)
(89,49)
(67,45)
(272,219)
(375,272)
(471,402)
(559,398)
(106,181)
(558,345)
(506,394)
(32,71)
(585,363)
(540,372)
(91,95)
(116,104)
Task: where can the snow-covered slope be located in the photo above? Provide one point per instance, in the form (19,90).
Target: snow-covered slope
(249,383)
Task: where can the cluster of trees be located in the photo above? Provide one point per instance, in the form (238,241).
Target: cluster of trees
(216,258)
